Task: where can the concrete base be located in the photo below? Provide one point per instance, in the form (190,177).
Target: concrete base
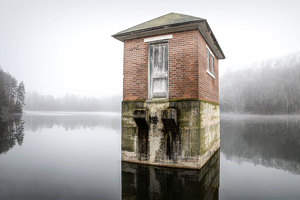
(182,134)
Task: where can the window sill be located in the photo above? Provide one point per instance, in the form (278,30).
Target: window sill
(211,74)
(157,100)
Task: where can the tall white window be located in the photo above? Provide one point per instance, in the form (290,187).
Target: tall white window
(210,62)
(158,70)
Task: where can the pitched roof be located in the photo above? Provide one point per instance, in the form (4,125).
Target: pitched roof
(170,23)
(165,20)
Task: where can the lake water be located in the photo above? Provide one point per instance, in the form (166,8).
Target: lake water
(58,155)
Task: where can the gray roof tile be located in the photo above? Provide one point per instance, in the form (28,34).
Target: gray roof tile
(169,23)
(165,20)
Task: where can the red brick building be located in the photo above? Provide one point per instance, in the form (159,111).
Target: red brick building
(170,70)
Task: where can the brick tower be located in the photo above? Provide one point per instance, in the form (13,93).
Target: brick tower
(170,108)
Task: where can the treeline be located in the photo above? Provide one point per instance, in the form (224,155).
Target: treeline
(273,87)
(11,133)
(12,94)
(38,102)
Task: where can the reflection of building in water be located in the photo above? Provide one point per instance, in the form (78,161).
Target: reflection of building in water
(170,108)
(268,141)
(11,132)
(152,182)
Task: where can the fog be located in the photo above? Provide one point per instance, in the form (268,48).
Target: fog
(263,140)
(38,102)
(60,47)
(268,87)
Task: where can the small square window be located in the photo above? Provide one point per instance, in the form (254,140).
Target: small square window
(207,59)
(212,64)
(210,68)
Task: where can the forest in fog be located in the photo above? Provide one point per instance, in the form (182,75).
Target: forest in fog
(38,102)
(12,94)
(269,87)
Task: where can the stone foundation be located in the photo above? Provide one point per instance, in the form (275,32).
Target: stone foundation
(183,133)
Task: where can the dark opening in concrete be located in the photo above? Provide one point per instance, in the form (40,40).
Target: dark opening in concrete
(141,122)
(169,148)
(169,119)
(143,143)
(171,138)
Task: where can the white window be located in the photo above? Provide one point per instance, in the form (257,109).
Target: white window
(210,68)
(158,70)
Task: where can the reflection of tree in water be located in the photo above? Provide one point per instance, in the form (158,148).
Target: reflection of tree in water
(150,182)
(272,142)
(11,132)
(71,121)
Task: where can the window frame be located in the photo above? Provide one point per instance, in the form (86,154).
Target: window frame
(155,42)
(210,62)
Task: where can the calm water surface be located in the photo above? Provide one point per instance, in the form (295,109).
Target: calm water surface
(77,156)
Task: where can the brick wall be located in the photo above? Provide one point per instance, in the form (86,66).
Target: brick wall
(208,86)
(183,65)
(135,71)
(188,78)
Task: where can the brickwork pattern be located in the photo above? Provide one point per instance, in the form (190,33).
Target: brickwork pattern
(135,71)
(208,86)
(188,78)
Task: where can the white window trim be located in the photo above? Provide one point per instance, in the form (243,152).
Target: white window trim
(211,74)
(149,80)
(210,51)
(157,38)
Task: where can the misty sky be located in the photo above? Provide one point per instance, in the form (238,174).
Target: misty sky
(65,46)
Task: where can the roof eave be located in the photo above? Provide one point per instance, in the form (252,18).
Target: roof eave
(201,25)
(157,30)
(210,39)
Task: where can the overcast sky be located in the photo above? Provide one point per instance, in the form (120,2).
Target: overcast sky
(65,46)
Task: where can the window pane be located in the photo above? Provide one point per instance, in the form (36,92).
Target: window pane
(212,65)
(158,70)
(160,86)
(207,59)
